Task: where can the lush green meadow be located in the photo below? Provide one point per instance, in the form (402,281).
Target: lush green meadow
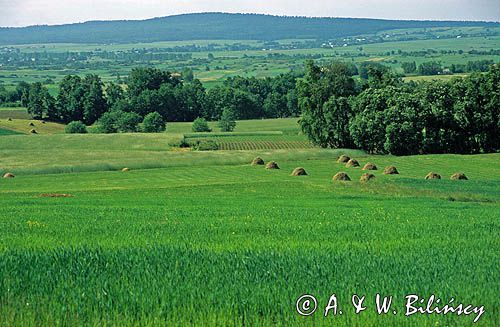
(185,237)
(204,238)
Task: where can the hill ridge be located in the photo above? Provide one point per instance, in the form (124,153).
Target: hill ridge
(214,26)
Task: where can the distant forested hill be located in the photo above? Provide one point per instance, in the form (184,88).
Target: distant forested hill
(211,26)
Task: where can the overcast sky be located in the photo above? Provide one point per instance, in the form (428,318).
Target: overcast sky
(32,12)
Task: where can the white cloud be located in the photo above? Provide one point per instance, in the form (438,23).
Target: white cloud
(29,12)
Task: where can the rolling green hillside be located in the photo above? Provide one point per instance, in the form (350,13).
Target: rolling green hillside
(211,240)
(212,26)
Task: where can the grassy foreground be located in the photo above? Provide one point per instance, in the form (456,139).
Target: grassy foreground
(211,240)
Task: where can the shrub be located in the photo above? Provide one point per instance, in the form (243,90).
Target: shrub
(200,125)
(107,123)
(76,127)
(128,122)
(208,145)
(118,121)
(180,143)
(153,123)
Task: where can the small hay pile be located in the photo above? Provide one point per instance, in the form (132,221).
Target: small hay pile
(299,172)
(343,159)
(32,125)
(370,166)
(8,175)
(55,195)
(272,165)
(352,163)
(366,177)
(343,177)
(432,175)
(459,177)
(391,170)
(125,169)
(9,119)
(33,131)
(258,162)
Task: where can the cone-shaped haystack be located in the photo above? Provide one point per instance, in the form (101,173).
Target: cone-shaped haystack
(32,125)
(272,165)
(258,161)
(432,175)
(459,177)
(33,131)
(352,163)
(125,169)
(299,172)
(366,177)
(8,175)
(341,177)
(391,170)
(343,159)
(369,166)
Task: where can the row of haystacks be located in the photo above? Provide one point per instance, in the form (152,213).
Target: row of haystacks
(454,177)
(389,170)
(352,163)
(299,171)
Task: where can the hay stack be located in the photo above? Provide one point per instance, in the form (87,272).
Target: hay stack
(459,177)
(9,119)
(299,172)
(343,159)
(8,175)
(43,121)
(33,131)
(258,162)
(370,166)
(366,177)
(56,195)
(272,165)
(391,170)
(352,163)
(32,125)
(341,177)
(432,175)
(125,169)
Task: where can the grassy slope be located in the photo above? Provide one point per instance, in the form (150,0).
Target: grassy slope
(212,243)
(13,113)
(23,126)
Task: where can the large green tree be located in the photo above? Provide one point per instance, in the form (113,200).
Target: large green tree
(322,97)
(39,101)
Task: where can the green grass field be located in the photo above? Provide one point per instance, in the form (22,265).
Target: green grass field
(204,238)
(25,126)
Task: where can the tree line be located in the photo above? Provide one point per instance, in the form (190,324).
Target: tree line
(175,97)
(378,112)
(384,115)
(435,67)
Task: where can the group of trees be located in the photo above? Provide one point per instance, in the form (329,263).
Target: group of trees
(174,97)
(435,68)
(379,114)
(385,115)
(14,97)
